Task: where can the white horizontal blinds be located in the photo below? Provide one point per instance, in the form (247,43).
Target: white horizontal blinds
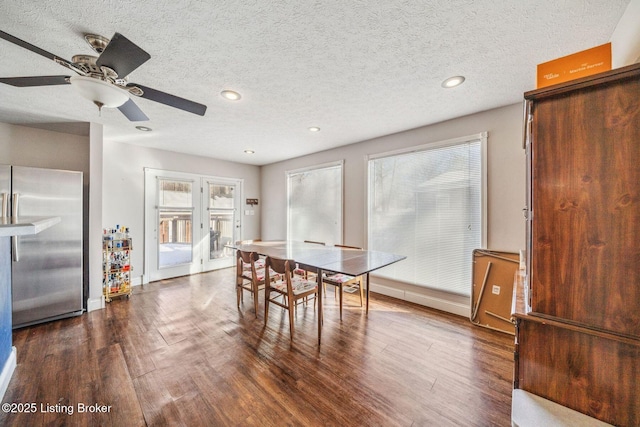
(175,193)
(315,204)
(427,205)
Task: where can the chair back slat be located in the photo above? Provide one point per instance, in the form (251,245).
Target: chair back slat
(279,265)
(348,247)
(247,257)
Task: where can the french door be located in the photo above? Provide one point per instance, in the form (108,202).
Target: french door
(221,222)
(189,222)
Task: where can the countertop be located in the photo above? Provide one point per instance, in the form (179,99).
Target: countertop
(26,225)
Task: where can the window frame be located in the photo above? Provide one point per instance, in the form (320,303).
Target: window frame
(482,137)
(335,164)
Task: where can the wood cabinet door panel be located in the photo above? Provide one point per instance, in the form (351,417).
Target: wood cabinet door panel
(590,374)
(585,229)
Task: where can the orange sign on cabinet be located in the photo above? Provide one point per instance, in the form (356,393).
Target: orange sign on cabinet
(580,64)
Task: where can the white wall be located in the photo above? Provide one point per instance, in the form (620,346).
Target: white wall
(123,188)
(94,244)
(506,188)
(625,40)
(25,146)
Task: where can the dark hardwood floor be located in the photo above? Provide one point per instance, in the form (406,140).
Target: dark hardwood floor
(179,352)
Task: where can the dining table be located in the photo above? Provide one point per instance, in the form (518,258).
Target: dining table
(319,259)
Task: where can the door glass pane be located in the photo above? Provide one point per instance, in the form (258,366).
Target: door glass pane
(221,196)
(221,219)
(177,194)
(175,228)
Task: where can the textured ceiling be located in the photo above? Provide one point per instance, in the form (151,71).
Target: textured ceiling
(357,69)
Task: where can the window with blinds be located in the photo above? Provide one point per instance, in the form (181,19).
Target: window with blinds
(428,204)
(314,210)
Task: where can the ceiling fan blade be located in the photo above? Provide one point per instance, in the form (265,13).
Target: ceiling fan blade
(35,81)
(122,55)
(171,100)
(133,112)
(32,48)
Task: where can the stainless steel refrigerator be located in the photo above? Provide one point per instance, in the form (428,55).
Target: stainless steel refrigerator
(47,267)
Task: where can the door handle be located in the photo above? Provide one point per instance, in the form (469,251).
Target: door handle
(14,239)
(14,205)
(14,248)
(527,123)
(5,205)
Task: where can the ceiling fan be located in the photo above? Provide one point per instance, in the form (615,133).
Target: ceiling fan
(103,78)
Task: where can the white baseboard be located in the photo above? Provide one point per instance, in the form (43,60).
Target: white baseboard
(95,304)
(388,291)
(438,303)
(7,372)
(139,280)
(426,300)
(99,303)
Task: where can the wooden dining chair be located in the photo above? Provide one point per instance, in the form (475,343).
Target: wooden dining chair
(249,277)
(341,281)
(292,288)
(260,262)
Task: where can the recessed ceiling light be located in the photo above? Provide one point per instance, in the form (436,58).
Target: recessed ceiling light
(453,81)
(249,151)
(314,129)
(230,95)
(144,128)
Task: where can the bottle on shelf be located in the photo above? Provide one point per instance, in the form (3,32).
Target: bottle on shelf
(116,262)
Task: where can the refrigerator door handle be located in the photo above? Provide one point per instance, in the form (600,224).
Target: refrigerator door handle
(5,205)
(14,239)
(14,248)
(14,205)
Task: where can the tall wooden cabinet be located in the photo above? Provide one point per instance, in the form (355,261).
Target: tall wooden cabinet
(578,321)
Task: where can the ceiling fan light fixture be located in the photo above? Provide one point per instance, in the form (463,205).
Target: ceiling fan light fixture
(99,92)
(230,95)
(453,82)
